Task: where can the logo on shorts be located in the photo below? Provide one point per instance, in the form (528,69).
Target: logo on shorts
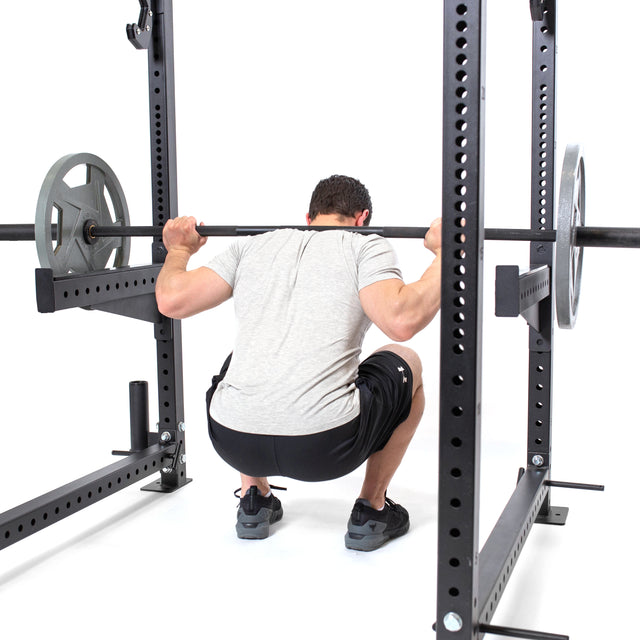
(404,378)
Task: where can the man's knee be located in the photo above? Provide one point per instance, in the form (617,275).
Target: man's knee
(411,358)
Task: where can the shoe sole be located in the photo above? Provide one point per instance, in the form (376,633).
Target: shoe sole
(256,527)
(361,538)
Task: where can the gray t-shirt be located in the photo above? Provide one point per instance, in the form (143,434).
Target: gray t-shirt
(300,327)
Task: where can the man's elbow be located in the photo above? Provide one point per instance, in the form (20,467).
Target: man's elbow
(401,334)
(406,326)
(401,329)
(169,306)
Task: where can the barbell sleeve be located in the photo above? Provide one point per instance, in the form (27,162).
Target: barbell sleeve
(15,232)
(611,237)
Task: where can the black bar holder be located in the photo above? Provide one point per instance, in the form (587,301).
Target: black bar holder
(138,418)
(139,414)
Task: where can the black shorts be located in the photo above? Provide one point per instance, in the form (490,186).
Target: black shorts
(385,382)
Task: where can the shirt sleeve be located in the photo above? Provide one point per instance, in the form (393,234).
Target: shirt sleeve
(225,264)
(376,261)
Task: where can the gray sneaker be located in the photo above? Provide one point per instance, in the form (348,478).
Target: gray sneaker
(368,529)
(256,514)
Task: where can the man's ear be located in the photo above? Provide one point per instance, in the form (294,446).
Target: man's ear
(308,217)
(361,218)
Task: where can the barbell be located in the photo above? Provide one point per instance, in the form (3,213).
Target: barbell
(79,228)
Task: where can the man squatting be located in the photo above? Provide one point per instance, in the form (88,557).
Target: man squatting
(293,399)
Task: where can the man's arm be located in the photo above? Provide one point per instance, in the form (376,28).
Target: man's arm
(181,293)
(401,310)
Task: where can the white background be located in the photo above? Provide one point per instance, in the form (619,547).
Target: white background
(271,97)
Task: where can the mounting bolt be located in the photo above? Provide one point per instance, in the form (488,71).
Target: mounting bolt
(165,436)
(148,28)
(150,13)
(138,30)
(181,426)
(167,470)
(183,458)
(452,621)
(537,460)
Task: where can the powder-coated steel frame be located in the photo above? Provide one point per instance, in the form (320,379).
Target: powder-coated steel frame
(470,581)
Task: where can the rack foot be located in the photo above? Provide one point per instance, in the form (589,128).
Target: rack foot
(556,515)
(158,487)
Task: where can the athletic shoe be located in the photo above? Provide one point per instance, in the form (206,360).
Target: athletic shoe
(256,513)
(368,529)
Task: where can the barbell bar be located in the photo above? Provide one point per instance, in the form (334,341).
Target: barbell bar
(608,237)
(611,237)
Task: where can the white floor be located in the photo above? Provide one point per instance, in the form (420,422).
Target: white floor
(140,564)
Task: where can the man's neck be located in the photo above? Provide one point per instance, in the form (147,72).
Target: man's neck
(332,220)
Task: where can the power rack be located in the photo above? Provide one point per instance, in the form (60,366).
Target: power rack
(470,580)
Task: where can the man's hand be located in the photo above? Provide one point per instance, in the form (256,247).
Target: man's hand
(181,293)
(179,234)
(433,239)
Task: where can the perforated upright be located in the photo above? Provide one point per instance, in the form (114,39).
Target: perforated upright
(461,318)
(543,129)
(164,188)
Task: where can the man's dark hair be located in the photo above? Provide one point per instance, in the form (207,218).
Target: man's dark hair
(340,194)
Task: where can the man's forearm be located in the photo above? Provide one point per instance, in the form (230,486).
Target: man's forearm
(168,287)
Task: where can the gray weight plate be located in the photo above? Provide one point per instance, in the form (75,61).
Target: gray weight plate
(99,197)
(570,215)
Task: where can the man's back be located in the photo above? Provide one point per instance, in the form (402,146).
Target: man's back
(300,328)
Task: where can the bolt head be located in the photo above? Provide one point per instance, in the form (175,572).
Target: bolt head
(452,621)
(165,436)
(181,426)
(537,460)
(167,470)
